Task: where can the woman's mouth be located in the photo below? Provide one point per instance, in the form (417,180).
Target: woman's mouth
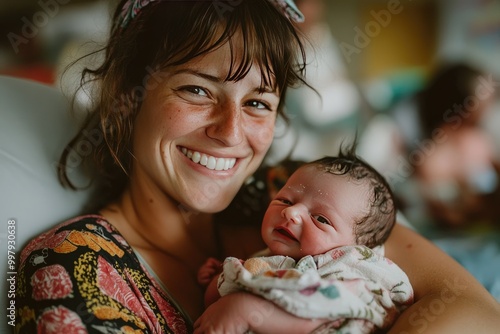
(209,161)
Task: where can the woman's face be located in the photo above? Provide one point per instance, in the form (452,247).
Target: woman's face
(197,138)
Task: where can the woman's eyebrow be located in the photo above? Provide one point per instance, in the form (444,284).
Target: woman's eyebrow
(206,76)
(215,79)
(266,89)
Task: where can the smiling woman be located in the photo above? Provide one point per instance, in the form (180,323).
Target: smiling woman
(194,104)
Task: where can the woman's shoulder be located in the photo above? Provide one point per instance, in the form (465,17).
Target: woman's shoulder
(84,271)
(91,231)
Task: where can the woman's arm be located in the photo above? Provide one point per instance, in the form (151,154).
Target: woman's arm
(212,293)
(239,312)
(448,299)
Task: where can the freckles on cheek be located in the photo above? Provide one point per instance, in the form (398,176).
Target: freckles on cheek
(262,135)
(172,122)
(175,115)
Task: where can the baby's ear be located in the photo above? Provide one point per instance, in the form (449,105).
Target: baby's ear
(256,266)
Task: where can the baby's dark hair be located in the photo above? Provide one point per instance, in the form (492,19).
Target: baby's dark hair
(373,228)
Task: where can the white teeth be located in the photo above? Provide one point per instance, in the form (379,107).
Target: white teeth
(220,164)
(209,161)
(196,157)
(203,160)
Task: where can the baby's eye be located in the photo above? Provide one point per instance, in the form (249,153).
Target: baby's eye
(284,201)
(321,219)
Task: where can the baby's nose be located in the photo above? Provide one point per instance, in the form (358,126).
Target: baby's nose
(294,213)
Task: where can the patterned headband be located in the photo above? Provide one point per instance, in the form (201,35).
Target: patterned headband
(132,8)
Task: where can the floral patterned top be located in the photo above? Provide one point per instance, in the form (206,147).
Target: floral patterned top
(83,277)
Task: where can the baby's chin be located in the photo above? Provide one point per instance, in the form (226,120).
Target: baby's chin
(284,250)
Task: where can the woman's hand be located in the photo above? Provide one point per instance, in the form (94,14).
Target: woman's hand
(228,315)
(240,312)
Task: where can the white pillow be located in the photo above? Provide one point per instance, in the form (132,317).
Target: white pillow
(35,125)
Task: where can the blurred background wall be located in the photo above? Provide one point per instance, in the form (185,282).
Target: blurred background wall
(35,34)
(402,46)
(409,40)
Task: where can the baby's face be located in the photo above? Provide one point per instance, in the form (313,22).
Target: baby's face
(314,212)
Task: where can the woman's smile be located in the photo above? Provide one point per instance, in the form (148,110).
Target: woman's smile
(210,162)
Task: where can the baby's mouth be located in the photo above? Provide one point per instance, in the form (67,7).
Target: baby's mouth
(285,232)
(209,161)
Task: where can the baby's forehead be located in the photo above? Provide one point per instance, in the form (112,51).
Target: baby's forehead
(339,192)
(314,178)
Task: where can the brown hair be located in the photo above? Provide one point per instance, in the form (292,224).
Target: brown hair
(375,227)
(169,33)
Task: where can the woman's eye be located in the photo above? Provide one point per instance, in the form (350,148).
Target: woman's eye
(321,219)
(258,104)
(196,90)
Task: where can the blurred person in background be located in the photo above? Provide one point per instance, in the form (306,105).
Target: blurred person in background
(457,169)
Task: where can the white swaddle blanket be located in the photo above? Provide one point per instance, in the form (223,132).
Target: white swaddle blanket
(354,286)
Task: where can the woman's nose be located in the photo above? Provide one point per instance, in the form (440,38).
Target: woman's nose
(227,125)
(294,213)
